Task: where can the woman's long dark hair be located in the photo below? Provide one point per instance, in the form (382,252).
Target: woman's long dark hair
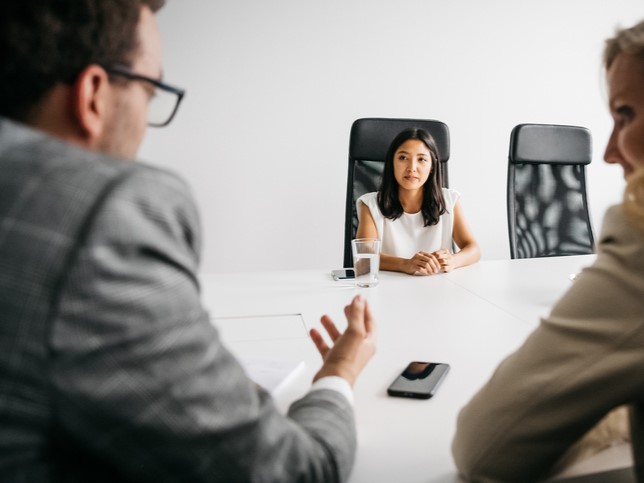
(433,205)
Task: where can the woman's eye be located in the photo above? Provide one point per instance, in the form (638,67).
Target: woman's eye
(624,114)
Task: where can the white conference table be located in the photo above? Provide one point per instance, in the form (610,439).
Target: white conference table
(470,318)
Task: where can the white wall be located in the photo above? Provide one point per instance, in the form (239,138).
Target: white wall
(274,85)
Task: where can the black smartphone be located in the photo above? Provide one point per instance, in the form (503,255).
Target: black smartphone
(419,380)
(343,274)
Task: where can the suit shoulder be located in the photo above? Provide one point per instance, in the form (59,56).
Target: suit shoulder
(144,194)
(147,180)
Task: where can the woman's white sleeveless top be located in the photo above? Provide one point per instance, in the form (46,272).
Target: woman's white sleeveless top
(407,235)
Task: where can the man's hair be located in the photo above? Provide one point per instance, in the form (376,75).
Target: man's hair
(628,41)
(47,42)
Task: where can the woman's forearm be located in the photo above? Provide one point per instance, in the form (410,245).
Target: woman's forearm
(468,255)
(393,264)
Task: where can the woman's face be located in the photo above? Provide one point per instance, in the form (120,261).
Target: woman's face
(626,102)
(412,164)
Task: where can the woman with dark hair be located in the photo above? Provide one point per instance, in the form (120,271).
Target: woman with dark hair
(417,220)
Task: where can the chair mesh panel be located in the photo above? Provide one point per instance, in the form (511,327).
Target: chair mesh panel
(366,179)
(551,213)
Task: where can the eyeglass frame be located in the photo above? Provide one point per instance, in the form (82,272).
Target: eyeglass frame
(125,71)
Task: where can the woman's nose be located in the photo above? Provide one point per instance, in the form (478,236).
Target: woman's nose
(612,154)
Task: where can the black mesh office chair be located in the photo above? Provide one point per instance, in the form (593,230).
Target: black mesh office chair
(547,203)
(368,143)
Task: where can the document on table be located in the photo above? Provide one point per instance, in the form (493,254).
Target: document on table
(272,375)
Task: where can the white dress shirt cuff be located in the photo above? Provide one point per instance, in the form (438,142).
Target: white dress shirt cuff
(334,383)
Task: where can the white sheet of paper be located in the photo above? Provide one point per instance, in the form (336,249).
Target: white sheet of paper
(272,375)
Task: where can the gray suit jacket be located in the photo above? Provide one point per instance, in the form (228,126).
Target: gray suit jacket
(584,360)
(109,367)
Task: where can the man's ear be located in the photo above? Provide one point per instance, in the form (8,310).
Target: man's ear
(91,101)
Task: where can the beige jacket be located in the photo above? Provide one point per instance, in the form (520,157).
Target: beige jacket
(584,360)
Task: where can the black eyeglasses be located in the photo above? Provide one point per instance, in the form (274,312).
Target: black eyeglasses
(165,101)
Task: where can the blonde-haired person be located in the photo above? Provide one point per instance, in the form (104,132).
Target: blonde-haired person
(563,396)
(634,198)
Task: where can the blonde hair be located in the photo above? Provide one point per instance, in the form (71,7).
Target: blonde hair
(634,198)
(628,41)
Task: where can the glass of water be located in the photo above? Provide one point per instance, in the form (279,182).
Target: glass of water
(366,261)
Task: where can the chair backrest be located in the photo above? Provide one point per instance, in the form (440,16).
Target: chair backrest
(368,143)
(547,206)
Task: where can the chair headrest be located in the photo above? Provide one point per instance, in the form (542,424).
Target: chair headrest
(371,137)
(550,143)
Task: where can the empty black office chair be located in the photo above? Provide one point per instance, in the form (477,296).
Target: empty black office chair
(547,203)
(368,143)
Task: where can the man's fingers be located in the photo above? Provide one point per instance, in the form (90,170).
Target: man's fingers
(317,339)
(369,322)
(355,310)
(330,327)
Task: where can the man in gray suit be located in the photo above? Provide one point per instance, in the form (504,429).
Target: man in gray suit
(109,367)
